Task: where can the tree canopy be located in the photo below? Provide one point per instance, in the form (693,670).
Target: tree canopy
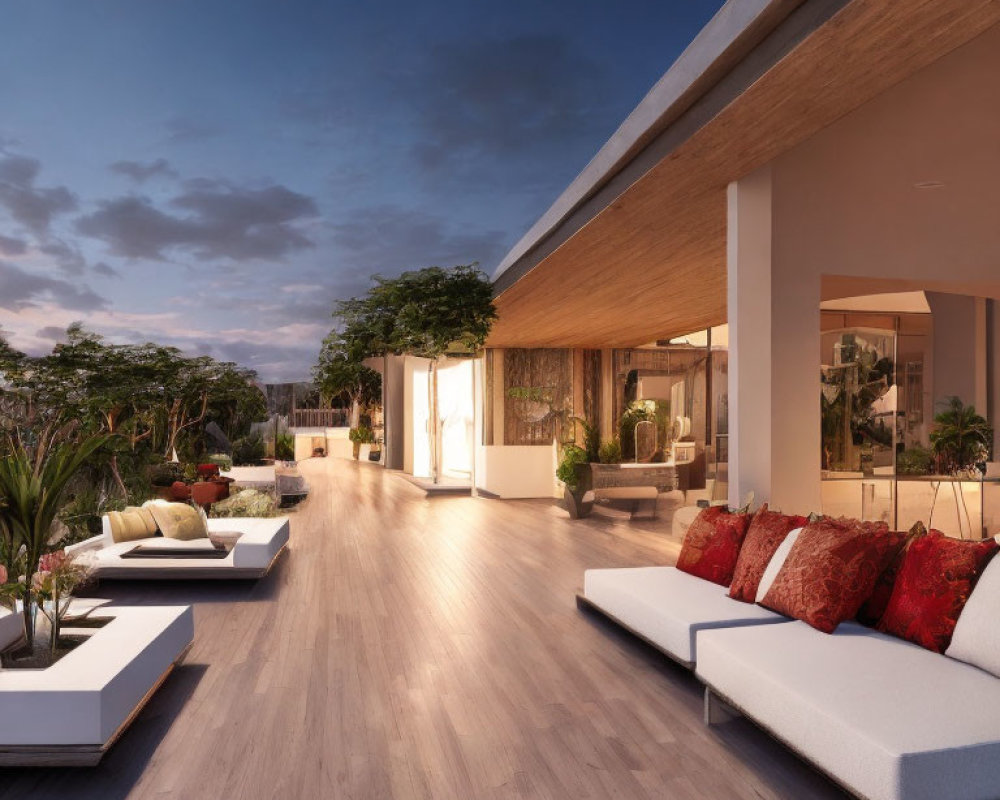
(429,312)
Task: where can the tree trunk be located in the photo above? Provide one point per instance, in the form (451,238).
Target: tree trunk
(432,425)
(116,474)
(355,412)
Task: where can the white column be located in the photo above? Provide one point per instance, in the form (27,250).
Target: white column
(748,266)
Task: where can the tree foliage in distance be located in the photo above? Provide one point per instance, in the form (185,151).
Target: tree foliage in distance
(429,312)
(341,373)
(961,438)
(143,394)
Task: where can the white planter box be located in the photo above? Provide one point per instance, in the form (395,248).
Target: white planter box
(70,713)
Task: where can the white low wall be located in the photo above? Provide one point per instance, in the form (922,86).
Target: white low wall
(517,471)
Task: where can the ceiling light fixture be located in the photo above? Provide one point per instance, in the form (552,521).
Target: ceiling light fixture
(928,185)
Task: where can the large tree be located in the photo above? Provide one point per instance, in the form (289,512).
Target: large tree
(341,372)
(431,312)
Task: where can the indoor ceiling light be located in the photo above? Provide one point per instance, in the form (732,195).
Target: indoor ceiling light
(928,185)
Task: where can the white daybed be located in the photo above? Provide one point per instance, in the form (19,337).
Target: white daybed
(667,608)
(70,713)
(260,543)
(885,718)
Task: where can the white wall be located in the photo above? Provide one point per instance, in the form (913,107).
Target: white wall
(517,471)
(846,203)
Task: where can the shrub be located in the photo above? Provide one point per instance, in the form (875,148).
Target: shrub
(915,461)
(572,456)
(165,474)
(221,460)
(361,435)
(610,452)
(246,503)
(284,447)
(248,450)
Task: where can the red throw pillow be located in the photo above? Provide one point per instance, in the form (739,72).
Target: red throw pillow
(874,607)
(767,531)
(829,573)
(712,544)
(936,578)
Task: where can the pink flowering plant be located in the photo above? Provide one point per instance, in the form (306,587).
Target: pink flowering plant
(9,590)
(52,585)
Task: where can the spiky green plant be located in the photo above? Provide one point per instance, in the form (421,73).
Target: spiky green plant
(33,480)
(961,438)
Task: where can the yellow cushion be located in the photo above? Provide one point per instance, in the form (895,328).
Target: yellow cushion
(128,525)
(179,521)
(147,518)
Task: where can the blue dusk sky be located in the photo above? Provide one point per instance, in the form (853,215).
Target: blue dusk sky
(214,175)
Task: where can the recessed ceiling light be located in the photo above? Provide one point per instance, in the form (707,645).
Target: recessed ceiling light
(928,185)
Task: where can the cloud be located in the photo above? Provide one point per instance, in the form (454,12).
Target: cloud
(20,289)
(9,246)
(68,257)
(506,97)
(31,205)
(140,172)
(105,270)
(221,220)
(52,332)
(388,239)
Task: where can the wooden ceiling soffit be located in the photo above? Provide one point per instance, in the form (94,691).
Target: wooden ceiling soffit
(651,264)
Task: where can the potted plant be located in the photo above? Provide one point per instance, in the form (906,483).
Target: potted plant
(574,472)
(359,436)
(32,484)
(961,438)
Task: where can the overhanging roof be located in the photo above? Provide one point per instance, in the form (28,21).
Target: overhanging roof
(634,249)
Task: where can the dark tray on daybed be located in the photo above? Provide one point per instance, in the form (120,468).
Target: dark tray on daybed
(143,551)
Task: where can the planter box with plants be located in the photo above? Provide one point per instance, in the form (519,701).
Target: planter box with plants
(70,713)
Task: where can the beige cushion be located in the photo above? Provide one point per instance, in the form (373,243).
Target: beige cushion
(147,518)
(179,521)
(131,524)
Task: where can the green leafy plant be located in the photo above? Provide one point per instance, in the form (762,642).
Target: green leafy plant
(248,450)
(961,438)
(221,460)
(915,461)
(284,447)
(573,456)
(33,480)
(361,435)
(591,438)
(632,416)
(610,452)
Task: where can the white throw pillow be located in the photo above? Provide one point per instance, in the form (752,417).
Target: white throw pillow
(775,564)
(976,639)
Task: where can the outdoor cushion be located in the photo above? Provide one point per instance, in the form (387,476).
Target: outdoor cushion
(977,635)
(874,607)
(830,571)
(888,719)
(767,531)
(712,544)
(776,563)
(179,520)
(937,577)
(130,524)
(667,606)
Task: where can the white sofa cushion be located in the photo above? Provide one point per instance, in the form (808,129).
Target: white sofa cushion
(776,563)
(887,718)
(977,635)
(667,606)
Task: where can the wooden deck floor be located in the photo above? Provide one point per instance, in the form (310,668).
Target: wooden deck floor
(408,647)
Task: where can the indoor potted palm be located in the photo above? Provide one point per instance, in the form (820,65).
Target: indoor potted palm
(961,439)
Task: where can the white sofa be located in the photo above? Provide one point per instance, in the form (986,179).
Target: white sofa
(667,607)
(885,718)
(260,543)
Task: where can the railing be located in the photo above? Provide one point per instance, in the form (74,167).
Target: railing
(320,418)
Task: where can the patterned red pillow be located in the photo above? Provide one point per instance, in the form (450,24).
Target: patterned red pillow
(712,544)
(936,578)
(874,607)
(829,573)
(767,531)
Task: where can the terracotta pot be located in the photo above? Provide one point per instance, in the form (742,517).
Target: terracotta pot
(180,491)
(204,493)
(223,485)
